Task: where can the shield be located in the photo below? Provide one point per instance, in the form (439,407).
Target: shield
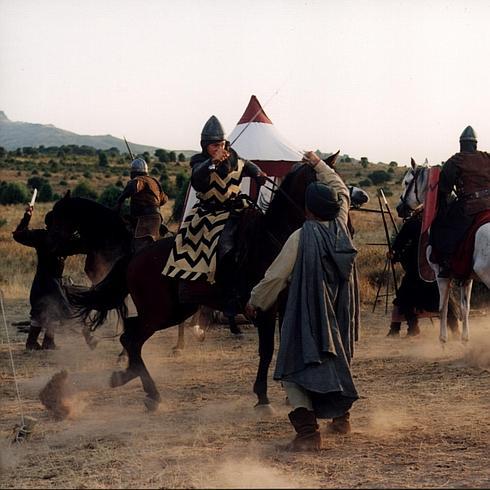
(430,209)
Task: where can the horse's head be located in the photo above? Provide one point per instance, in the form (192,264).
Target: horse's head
(286,212)
(414,189)
(358,197)
(94,224)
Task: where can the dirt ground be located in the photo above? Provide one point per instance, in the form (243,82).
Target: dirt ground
(423,419)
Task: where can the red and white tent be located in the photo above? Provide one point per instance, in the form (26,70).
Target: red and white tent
(255,138)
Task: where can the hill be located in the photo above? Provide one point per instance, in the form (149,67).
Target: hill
(14,134)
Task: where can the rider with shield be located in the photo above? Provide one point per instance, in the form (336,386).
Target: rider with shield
(468,174)
(203,248)
(146,197)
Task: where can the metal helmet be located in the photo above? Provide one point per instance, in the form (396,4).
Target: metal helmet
(139,165)
(213,130)
(468,135)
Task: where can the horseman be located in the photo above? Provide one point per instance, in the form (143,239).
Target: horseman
(203,248)
(414,294)
(146,197)
(468,173)
(313,362)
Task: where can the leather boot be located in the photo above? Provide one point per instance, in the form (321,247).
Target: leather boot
(340,425)
(413,327)
(31,342)
(394,329)
(308,436)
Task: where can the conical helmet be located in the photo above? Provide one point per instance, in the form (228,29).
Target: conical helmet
(139,165)
(213,130)
(468,134)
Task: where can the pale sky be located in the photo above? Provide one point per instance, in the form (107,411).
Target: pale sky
(386,79)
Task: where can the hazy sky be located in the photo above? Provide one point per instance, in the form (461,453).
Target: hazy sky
(386,79)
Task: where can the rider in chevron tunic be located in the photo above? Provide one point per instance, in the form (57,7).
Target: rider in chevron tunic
(206,234)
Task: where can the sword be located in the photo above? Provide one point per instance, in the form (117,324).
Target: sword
(129,149)
(33,198)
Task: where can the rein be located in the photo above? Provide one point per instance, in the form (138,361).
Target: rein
(413,183)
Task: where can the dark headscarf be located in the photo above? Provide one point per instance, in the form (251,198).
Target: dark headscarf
(322,201)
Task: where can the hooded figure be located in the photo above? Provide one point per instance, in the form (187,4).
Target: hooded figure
(206,236)
(467,174)
(316,345)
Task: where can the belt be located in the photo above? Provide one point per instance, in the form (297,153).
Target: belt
(477,194)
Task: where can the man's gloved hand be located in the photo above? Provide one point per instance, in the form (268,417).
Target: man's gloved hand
(311,158)
(250,311)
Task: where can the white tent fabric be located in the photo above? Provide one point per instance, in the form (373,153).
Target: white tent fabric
(255,138)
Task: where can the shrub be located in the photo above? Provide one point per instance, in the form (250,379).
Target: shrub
(36,182)
(379,177)
(109,196)
(13,193)
(84,189)
(365,183)
(45,193)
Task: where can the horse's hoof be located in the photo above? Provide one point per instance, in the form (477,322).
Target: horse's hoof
(116,379)
(264,409)
(151,404)
(92,344)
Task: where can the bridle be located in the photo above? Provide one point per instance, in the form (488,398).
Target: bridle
(413,183)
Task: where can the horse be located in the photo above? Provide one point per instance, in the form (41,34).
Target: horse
(156,297)
(358,197)
(415,185)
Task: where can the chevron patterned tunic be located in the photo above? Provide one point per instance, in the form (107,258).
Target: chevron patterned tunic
(193,255)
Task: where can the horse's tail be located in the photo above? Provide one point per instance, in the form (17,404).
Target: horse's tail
(93,305)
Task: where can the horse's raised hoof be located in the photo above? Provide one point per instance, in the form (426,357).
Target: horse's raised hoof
(116,379)
(151,404)
(199,333)
(264,409)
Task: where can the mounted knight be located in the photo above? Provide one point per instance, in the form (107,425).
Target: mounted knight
(467,173)
(204,246)
(146,197)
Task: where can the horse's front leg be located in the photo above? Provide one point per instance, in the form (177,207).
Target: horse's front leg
(132,340)
(465,292)
(444,285)
(179,347)
(265,324)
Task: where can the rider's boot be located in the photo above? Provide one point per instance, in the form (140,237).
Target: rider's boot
(413,327)
(394,329)
(31,342)
(308,436)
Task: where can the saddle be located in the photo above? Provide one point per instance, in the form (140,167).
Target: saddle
(234,254)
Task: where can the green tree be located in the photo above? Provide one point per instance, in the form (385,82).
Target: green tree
(172,156)
(84,189)
(364,162)
(393,164)
(162,155)
(36,182)
(103,161)
(3,152)
(181,157)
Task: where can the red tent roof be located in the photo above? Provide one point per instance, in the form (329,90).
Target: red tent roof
(254,113)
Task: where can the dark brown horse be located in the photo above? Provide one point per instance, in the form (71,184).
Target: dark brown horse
(157,297)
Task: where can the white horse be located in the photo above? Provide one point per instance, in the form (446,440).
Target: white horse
(413,196)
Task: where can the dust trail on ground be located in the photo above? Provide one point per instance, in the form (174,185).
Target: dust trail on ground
(246,467)
(10,456)
(382,422)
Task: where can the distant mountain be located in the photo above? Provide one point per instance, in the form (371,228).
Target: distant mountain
(15,135)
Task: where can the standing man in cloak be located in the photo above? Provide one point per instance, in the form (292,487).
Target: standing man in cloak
(315,350)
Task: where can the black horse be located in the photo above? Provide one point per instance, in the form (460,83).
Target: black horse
(157,297)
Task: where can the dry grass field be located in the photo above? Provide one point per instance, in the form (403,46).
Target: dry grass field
(422,420)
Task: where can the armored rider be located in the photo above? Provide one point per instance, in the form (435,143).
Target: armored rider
(468,174)
(146,197)
(206,237)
